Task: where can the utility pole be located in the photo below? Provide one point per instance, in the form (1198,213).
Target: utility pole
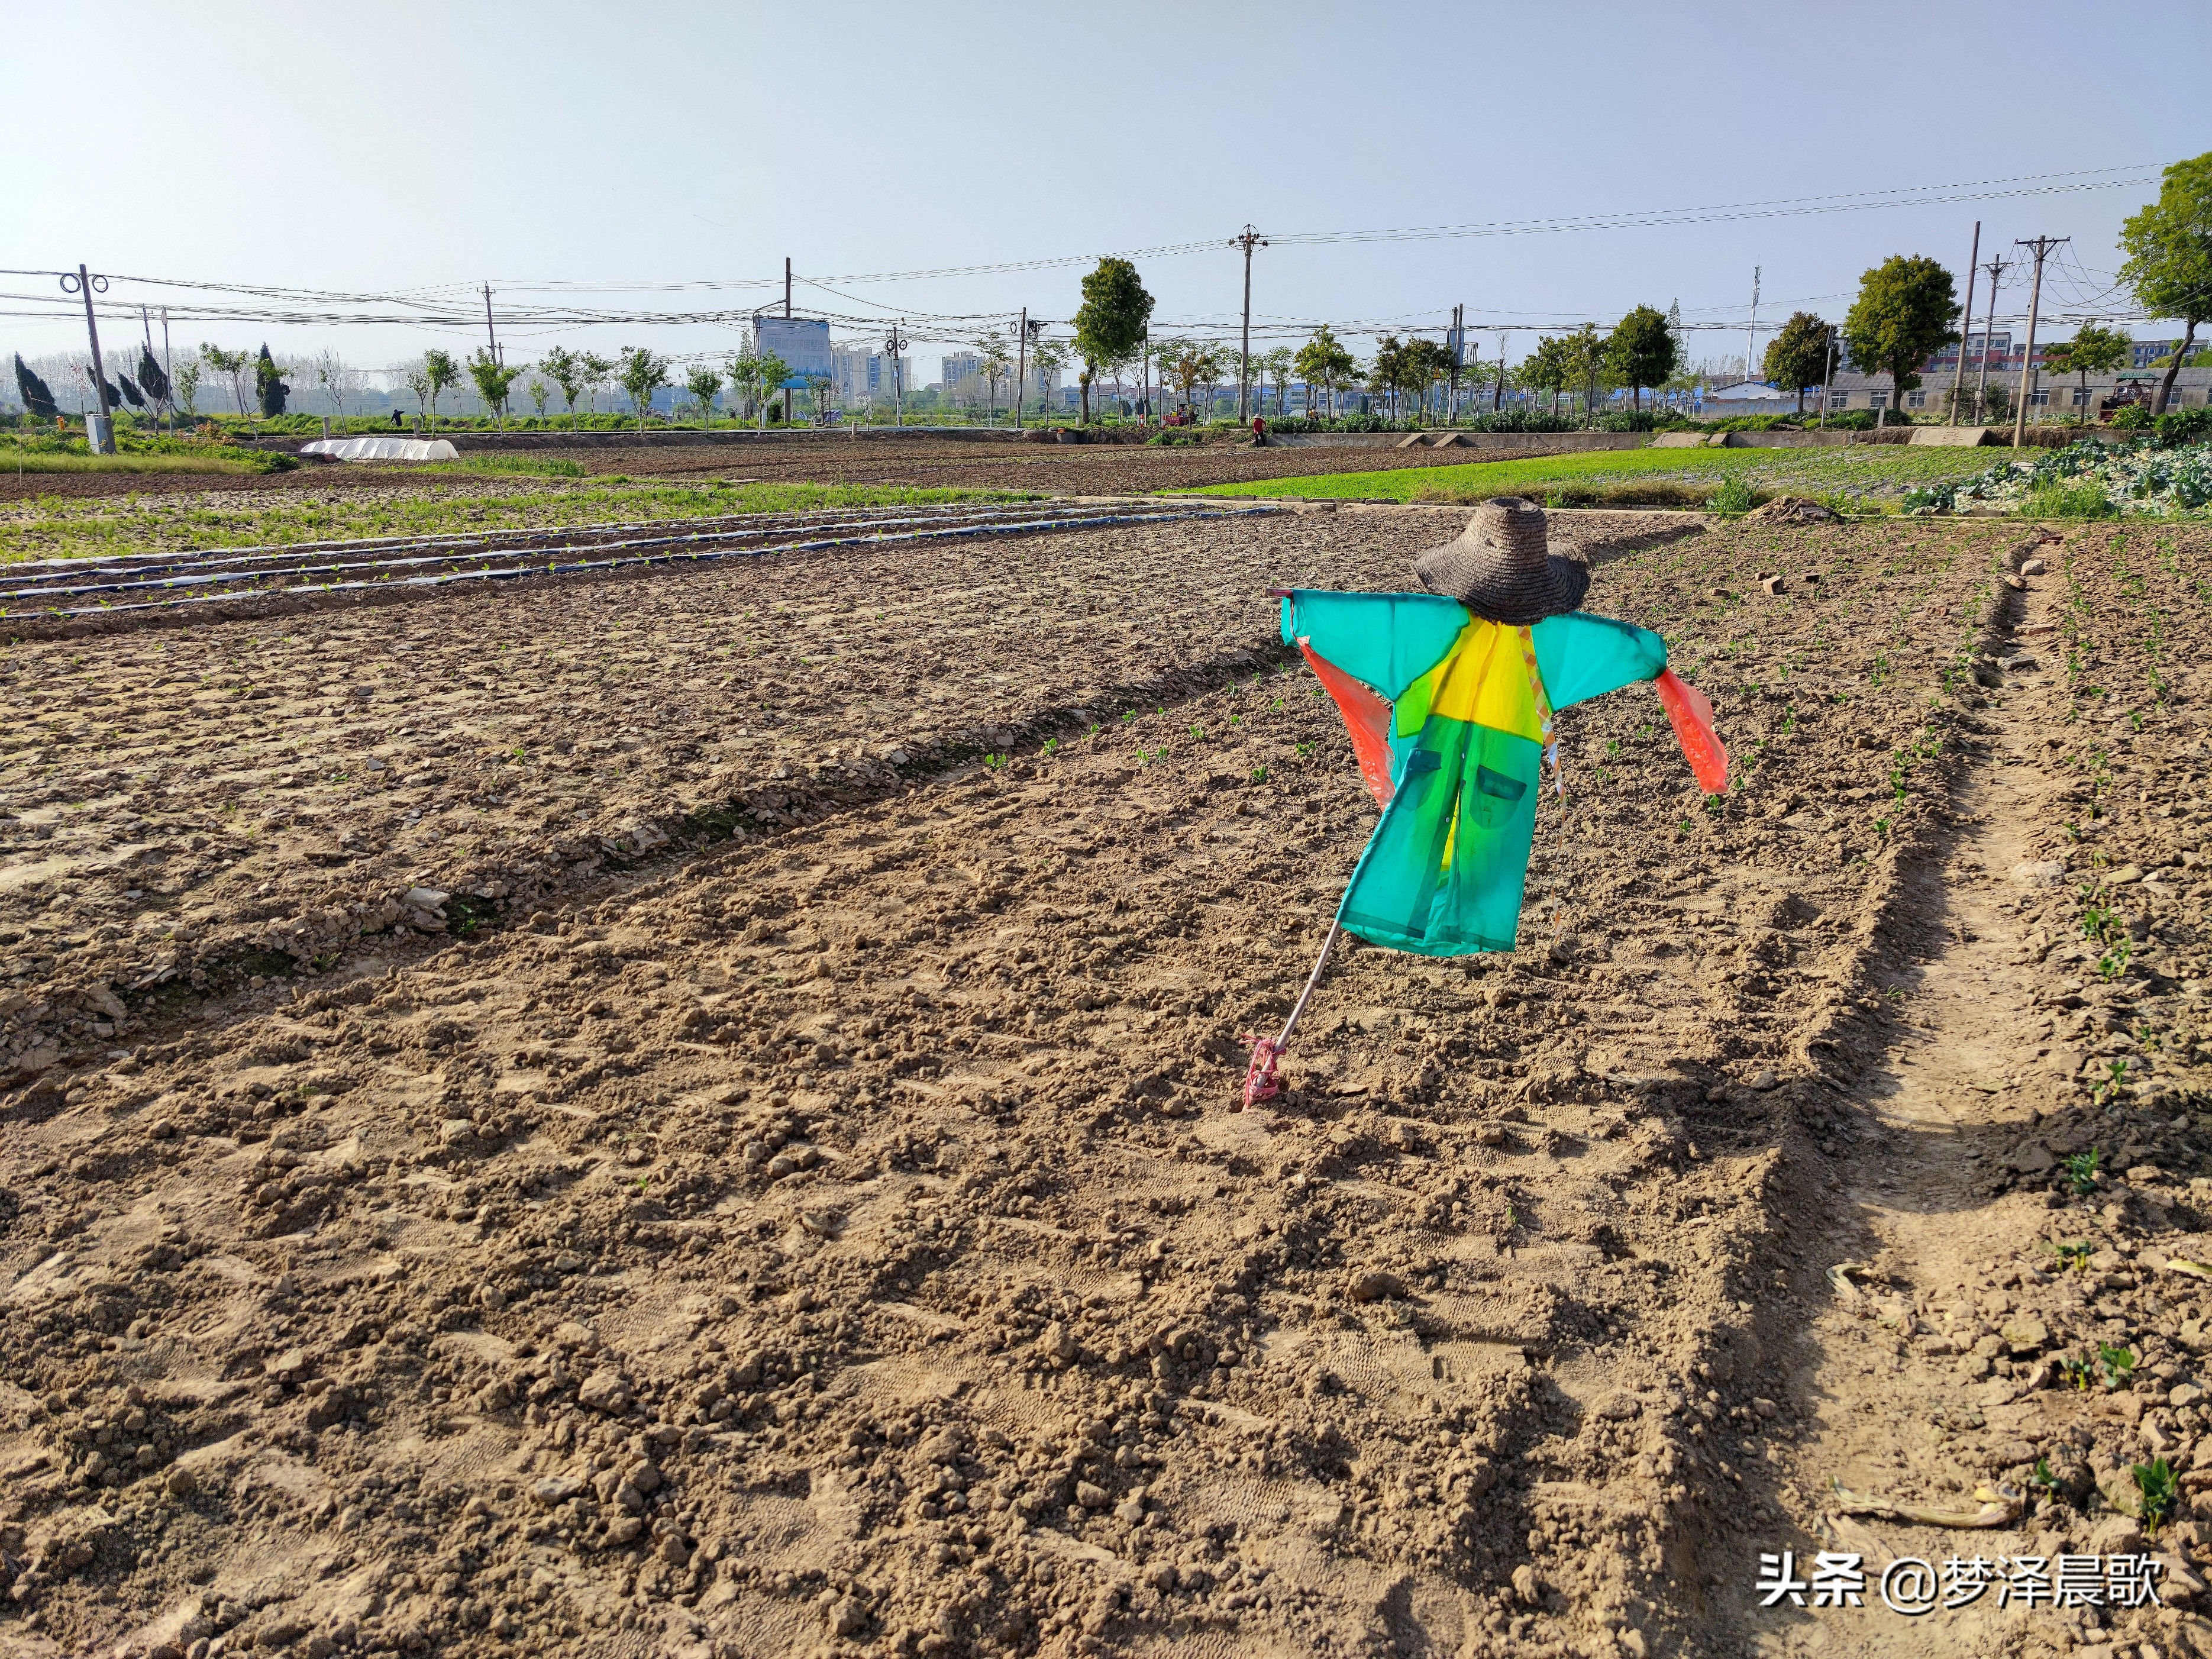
(1498,392)
(1458,353)
(1028,332)
(102,442)
(897,343)
(1966,324)
(489,333)
(1828,377)
(786,287)
(168,369)
(1750,345)
(1248,239)
(1996,270)
(2040,247)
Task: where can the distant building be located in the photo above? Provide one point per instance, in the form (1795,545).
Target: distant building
(960,367)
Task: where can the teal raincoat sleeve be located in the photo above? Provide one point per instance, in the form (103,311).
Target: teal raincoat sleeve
(1581,656)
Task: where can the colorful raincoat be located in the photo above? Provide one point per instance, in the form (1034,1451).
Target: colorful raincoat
(1451,717)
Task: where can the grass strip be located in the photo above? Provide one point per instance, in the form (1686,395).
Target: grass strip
(1870,477)
(52,527)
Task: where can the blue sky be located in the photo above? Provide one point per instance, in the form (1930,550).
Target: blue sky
(410,146)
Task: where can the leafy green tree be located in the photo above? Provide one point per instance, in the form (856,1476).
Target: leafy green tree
(994,365)
(38,397)
(2092,350)
(1423,365)
(1387,372)
(234,364)
(1640,351)
(1323,362)
(702,383)
(155,382)
(2169,263)
(494,382)
(594,369)
(186,391)
(1797,357)
(540,391)
(439,369)
(271,390)
(1550,368)
(640,374)
(424,388)
(1111,321)
(1048,359)
(1276,365)
(565,368)
(1587,353)
(1902,317)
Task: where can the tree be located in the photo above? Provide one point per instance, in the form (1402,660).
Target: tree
(334,376)
(151,377)
(1276,366)
(593,370)
(1550,368)
(186,391)
(1640,351)
(2092,350)
(1587,353)
(757,376)
(37,398)
(702,383)
(268,386)
(231,363)
(1797,357)
(1384,372)
(639,373)
(992,364)
(494,382)
(2169,263)
(1902,317)
(565,368)
(424,388)
(440,371)
(540,391)
(1419,365)
(1323,362)
(1047,358)
(1111,321)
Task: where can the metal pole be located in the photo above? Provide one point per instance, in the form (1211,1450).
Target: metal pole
(1965,326)
(1021,365)
(488,332)
(786,287)
(2042,245)
(169,369)
(1828,378)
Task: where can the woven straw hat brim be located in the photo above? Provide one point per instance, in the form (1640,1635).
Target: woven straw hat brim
(1501,567)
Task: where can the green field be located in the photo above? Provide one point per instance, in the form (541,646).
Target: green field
(1868,478)
(55,527)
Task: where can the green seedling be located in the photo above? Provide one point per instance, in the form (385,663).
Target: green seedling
(1259,774)
(994,761)
(2074,1256)
(1304,747)
(1198,732)
(2041,1479)
(2115,1364)
(2076,1373)
(2114,1079)
(1128,714)
(1052,745)
(2162,1491)
(2081,1171)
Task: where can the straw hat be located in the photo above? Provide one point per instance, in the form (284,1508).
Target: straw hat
(1502,567)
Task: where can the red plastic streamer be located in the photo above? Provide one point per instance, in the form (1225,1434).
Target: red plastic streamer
(1692,718)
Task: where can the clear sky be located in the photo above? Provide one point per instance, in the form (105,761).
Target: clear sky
(404,146)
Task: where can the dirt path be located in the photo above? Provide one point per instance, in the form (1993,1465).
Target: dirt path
(1944,1215)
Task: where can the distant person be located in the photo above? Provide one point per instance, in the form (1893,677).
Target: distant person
(395,417)
(1260,429)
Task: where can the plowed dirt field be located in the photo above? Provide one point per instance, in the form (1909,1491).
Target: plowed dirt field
(694,1115)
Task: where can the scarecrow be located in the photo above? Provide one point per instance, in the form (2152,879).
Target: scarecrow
(1450,697)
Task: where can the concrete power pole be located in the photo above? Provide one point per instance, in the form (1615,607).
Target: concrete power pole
(896,343)
(102,442)
(1965,325)
(1751,345)
(1021,365)
(1996,270)
(2040,247)
(488,332)
(1248,239)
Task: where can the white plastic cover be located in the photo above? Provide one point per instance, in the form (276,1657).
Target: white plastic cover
(382,449)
